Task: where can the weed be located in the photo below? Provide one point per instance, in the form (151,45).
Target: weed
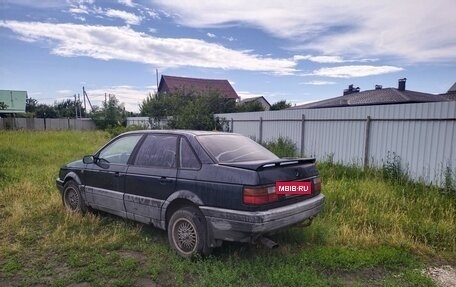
(449,180)
(393,169)
(117,130)
(282,147)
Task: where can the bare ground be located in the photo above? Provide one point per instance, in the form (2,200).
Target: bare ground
(444,276)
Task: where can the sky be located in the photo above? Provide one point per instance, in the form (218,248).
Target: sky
(298,51)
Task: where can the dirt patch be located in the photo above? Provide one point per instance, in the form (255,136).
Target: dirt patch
(145,282)
(444,276)
(82,284)
(140,256)
(365,277)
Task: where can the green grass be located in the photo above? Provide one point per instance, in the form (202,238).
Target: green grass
(373,232)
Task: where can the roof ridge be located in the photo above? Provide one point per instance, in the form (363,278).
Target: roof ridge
(402,95)
(190,78)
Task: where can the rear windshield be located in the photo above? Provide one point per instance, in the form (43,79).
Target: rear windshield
(234,148)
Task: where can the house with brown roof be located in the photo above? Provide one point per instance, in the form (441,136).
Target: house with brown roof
(378,96)
(261,100)
(192,86)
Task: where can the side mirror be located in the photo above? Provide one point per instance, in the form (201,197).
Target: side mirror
(87,159)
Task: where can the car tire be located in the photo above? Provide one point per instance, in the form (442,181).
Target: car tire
(72,198)
(187,233)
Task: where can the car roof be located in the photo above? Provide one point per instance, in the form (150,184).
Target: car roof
(182,132)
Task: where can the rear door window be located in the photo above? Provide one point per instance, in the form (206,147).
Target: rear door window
(157,151)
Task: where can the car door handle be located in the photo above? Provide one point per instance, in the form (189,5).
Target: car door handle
(164,180)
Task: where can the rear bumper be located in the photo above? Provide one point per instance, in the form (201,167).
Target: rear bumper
(233,225)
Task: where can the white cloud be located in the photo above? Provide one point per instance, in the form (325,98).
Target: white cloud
(79,10)
(409,30)
(64,92)
(319,59)
(130,96)
(354,71)
(210,35)
(44,4)
(152,14)
(329,59)
(30,94)
(129,18)
(82,19)
(318,83)
(128,3)
(123,43)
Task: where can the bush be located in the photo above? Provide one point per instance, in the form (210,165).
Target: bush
(282,147)
(393,170)
(117,130)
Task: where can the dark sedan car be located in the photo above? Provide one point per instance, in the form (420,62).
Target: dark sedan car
(202,187)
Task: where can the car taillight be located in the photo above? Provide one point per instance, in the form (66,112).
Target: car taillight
(316,185)
(260,195)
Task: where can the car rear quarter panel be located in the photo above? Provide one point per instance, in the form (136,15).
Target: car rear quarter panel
(215,185)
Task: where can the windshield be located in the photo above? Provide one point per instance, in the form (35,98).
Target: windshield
(234,148)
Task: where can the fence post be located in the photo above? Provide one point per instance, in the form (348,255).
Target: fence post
(303,119)
(44,120)
(366,142)
(261,130)
(232,123)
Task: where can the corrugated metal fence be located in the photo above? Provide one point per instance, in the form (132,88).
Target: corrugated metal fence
(423,136)
(46,124)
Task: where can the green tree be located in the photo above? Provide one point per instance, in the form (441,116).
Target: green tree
(188,111)
(45,111)
(30,105)
(280,105)
(111,115)
(3,106)
(66,108)
(252,106)
(161,106)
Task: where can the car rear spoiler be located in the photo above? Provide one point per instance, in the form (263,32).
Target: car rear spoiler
(260,165)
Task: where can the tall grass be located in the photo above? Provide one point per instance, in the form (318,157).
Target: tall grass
(282,147)
(369,210)
(373,231)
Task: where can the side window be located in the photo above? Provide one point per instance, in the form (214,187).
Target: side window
(158,150)
(120,150)
(187,157)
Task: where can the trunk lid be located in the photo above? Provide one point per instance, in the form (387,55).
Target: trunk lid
(285,169)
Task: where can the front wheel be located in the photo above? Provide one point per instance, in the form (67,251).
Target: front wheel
(72,198)
(187,232)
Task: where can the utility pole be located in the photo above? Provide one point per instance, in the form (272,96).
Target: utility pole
(85,95)
(75,108)
(79,106)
